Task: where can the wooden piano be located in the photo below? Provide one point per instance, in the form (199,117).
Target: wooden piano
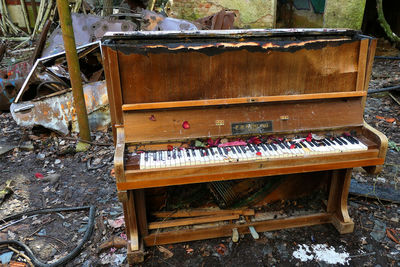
(186,107)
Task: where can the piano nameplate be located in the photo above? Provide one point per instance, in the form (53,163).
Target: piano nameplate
(257,127)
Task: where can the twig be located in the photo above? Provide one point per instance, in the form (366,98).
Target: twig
(84,141)
(395,99)
(22,254)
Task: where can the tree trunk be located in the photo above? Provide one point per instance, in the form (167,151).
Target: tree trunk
(386,27)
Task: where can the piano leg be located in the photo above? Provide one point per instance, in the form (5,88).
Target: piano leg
(337,202)
(135,247)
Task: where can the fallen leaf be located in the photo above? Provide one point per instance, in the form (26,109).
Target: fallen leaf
(390,120)
(221,249)
(166,252)
(379,117)
(189,250)
(38,175)
(170,148)
(292,146)
(309,137)
(391,233)
(117,223)
(112,173)
(185,125)
(258,153)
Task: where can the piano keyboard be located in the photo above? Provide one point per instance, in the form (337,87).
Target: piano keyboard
(250,152)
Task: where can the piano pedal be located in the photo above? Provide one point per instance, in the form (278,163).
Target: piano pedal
(235,235)
(253,232)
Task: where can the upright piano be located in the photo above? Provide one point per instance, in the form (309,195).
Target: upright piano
(214,107)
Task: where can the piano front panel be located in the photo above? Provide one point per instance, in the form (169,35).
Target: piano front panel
(219,121)
(152,75)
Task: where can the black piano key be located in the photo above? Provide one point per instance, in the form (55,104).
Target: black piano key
(315,143)
(310,143)
(338,141)
(220,151)
(330,141)
(233,149)
(355,140)
(160,156)
(264,147)
(225,149)
(286,145)
(193,152)
(155,156)
(326,142)
(179,153)
(202,153)
(174,154)
(280,145)
(274,147)
(187,153)
(251,149)
(169,154)
(256,148)
(342,140)
(243,149)
(349,139)
(303,145)
(212,151)
(146,156)
(238,150)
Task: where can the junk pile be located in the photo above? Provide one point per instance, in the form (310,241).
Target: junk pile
(34,78)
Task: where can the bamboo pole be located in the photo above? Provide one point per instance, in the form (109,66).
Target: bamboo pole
(26,18)
(3,20)
(73,68)
(46,15)
(39,17)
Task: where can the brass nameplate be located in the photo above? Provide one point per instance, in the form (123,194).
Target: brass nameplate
(256,127)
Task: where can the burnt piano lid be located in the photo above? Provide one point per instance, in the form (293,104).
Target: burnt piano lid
(230,34)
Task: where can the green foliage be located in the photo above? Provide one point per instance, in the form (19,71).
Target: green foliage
(394,146)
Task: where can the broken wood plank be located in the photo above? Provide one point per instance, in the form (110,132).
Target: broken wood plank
(192,221)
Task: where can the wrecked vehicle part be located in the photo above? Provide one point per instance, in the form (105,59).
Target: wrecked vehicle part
(153,21)
(54,69)
(11,80)
(56,111)
(222,20)
(87,29)
(75,252)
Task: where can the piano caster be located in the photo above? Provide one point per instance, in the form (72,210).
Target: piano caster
(253,232)
(235,235)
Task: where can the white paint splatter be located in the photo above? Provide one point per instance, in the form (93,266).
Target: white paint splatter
(321,252)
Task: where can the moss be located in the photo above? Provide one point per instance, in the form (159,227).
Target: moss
(344,14)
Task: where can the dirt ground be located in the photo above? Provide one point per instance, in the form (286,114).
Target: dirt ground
(47,172)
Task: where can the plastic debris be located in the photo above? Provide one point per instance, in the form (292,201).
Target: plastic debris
(6,257)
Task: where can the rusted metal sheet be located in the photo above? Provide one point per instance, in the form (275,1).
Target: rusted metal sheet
(11,80)
(56,111)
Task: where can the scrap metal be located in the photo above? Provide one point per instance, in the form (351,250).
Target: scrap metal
(56,111)
(11,79)
(90,28)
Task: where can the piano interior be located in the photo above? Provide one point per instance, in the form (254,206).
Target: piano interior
(213,127)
